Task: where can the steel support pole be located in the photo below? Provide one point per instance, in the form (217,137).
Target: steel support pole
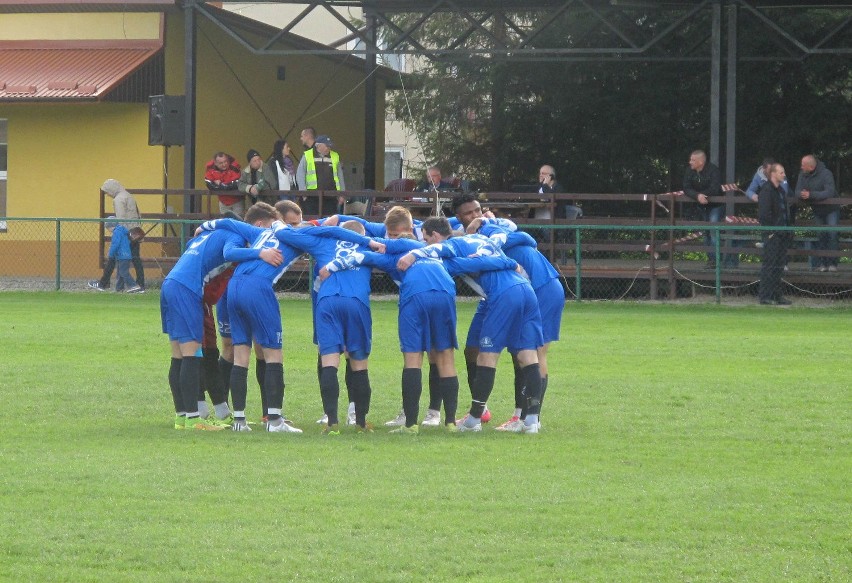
(189,52)
(370,120)
(731,99)
(715,81)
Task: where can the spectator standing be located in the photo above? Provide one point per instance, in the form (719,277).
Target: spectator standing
(701,181)
(255,179)
(816,183)
(774,211)
(319,169)
(282,169)
(308,137)
(126,210)
(222,175)
(760,178)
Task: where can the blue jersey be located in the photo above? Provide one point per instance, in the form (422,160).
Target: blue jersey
(425,275)
(292,242)
(469,255)
(379,230)
(205,258)
(522,248)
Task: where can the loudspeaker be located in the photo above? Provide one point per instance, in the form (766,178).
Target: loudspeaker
(165,120)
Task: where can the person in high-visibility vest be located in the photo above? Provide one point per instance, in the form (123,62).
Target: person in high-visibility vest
(319,169)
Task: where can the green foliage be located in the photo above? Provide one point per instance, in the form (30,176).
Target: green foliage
(680,443)
(626,126)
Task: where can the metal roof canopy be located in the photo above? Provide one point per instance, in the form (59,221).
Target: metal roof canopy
(607,30)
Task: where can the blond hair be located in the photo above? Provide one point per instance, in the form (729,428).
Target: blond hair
(398,216)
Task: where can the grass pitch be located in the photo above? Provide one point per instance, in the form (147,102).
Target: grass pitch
(680,443)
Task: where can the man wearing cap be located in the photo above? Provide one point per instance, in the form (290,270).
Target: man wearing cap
(319,169)
(254,179)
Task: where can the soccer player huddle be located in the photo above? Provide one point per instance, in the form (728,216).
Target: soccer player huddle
(235,264)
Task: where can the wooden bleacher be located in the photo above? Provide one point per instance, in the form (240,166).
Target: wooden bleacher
(646,241)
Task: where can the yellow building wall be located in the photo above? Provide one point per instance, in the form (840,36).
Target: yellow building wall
(86,26)
(228,119)
(60,154)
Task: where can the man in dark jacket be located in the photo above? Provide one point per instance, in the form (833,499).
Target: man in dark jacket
(816,183)
(774,211)
(701,181)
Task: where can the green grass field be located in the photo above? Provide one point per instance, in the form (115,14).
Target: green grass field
(680,443)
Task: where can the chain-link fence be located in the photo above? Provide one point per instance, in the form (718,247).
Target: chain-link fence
(596,262)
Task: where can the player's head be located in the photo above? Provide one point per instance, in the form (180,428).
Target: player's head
(466,208)
(436,229)
(354,226)
(398,222)
(261,214)
(291,214)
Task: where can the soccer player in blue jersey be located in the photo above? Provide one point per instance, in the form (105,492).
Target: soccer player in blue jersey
(255,314)
(343,323)
(182,312)
(544,279)
(397,223)
(511,318)
(427,323)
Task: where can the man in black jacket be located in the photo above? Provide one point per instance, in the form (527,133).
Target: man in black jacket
(774,211)
(701,181)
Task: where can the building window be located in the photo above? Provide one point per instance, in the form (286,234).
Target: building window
(4,132)
(393,163)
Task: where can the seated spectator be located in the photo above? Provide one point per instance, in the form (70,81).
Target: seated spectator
(221,175)
(434,181)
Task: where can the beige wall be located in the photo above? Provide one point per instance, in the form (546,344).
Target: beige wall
(319,25)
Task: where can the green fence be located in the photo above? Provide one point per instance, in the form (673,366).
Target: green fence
(596,262)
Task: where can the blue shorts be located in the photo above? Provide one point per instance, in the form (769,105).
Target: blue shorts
(223,318)
(181,312)
(473,332)
(344,325)
(254,311)
(427,321)
(512,321)
(551,302)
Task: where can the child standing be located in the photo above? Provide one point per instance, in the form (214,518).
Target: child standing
(119,250)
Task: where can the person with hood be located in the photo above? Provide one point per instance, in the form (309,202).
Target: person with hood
(222,175)
(816,183)
(126,210)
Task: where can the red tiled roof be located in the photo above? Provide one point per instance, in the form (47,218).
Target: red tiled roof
(68,71)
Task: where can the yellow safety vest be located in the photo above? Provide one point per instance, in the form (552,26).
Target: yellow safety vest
(311,169)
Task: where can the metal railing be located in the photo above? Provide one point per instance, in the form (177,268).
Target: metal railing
(596,261)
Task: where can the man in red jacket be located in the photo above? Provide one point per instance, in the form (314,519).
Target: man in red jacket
(221,175)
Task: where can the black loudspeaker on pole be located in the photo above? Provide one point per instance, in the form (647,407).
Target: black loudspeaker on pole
(166,120)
